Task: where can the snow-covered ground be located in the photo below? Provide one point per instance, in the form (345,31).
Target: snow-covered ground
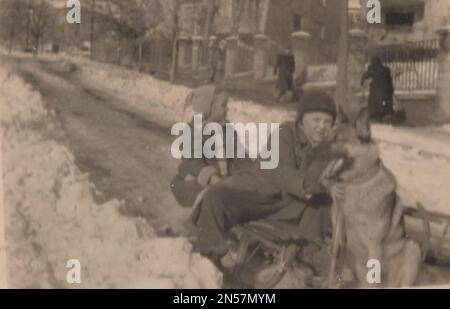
(419,158)
(52,217)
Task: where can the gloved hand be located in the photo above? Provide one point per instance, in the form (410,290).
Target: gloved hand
(333,187)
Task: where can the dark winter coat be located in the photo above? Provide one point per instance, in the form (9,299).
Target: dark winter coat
(285,67)
(381,90)
(289,192)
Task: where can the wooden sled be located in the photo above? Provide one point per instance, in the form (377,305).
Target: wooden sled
(277,244)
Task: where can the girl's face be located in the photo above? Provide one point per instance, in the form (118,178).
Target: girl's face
(219,109)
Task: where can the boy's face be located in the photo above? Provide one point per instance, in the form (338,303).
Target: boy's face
(317,126)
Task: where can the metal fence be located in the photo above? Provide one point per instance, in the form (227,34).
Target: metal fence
(244,59)
(205,57)
(272,54)
(413,65)
(156,53)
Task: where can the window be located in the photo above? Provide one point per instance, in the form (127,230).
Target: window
(297,22)
(399,19)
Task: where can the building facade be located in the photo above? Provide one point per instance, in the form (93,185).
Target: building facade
(409,20)
(278,19)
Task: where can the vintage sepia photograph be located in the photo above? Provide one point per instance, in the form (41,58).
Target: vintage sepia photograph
(224,144)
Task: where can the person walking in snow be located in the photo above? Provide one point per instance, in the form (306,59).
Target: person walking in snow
(196,174)
(217,60)
(285,68)
(381,90)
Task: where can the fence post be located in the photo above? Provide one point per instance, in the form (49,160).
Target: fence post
(196,45)
(356,59)
(230,56)
(300,45)
(260,56)
(443,90)
(182,51)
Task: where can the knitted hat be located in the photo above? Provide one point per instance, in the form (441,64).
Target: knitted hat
(316,101)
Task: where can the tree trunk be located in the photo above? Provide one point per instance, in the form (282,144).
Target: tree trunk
(140,47)
(238,18)
(342,79)
(160,55)
(91,51)
(174,63)
(212,8)
(11,40)
(36,44)
(119,47)
(174,60)
(208,21)
(27,37)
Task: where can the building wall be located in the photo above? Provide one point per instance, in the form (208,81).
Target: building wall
(318,18)
(428,17)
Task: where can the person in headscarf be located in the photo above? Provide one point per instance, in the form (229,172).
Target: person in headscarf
(285,68)
(381,89)
(195,174)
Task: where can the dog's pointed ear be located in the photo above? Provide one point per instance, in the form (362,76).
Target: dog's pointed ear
(341,116)
(362,125)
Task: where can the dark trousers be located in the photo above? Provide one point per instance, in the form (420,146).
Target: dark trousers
(226,205)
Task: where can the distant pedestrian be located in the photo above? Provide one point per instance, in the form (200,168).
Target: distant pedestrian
(217,60)
(381,90)
(285,68)
(298,86)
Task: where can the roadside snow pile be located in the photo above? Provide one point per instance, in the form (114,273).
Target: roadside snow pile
(51,215)
(142,92)
(420,162)
(164,101)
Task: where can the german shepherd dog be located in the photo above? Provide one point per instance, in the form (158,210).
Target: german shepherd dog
(368,222)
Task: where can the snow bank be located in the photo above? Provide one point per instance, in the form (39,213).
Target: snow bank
(162,100)
(142,92)
(433,140)
(52,217)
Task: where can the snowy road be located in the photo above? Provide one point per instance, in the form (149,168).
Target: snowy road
(126,155)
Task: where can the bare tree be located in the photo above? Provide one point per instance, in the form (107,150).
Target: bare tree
(39,19)
(342,79)
(12,20)
(212,7)
(134,18)
(92,29)
(238,8)
(175,31)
